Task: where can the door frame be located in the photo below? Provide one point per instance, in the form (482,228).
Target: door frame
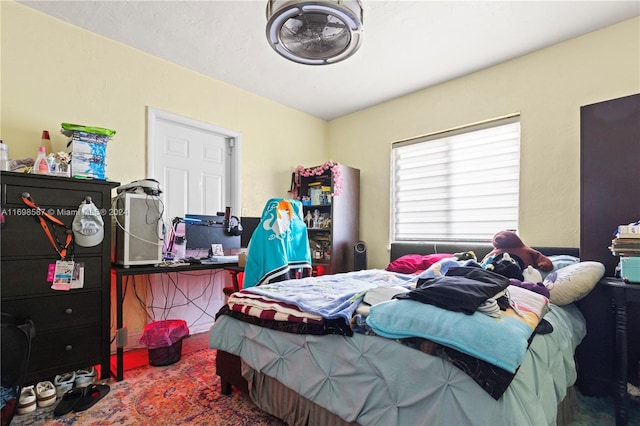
(234,172)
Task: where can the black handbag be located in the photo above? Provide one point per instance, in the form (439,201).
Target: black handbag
(16,335)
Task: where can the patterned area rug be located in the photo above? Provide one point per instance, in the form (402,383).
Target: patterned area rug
(187,392)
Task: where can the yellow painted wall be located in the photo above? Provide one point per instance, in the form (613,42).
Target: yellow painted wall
(546,87)
(54,72)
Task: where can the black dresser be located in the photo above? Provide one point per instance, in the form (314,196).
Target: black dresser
(72,327)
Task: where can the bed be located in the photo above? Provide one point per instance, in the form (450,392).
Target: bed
(310,374)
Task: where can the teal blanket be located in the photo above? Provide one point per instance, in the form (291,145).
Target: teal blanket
(501,341)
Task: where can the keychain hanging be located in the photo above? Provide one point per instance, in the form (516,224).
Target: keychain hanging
(42,216)
(64,270)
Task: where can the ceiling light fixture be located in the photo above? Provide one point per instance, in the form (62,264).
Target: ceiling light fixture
(317,32)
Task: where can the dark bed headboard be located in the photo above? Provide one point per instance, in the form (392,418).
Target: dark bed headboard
(480,249)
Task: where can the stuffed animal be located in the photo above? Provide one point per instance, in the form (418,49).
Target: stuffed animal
(510,242)
(507,266)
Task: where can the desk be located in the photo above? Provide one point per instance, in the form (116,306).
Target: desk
(622,294)
(121,272)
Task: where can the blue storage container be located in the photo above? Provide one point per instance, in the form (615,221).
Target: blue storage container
(630,268)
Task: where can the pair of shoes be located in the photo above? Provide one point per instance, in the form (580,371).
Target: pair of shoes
(64,383)
(80,399)
(85,377)
(27,403)
(45,394)
(80,378)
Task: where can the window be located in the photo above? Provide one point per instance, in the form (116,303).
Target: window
(456,185)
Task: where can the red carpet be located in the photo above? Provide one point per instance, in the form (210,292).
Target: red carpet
(132,359)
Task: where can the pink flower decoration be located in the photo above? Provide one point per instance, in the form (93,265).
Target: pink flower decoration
(319,170)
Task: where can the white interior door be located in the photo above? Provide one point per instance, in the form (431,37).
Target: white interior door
(197,165)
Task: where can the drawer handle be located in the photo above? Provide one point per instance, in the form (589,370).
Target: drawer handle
(68,311)
(68,348)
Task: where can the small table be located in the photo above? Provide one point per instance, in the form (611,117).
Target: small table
(622,294)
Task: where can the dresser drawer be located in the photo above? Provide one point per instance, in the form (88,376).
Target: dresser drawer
(23,235)
(53,312)
(22,232)
(51,194)
(65,350)
(28,277)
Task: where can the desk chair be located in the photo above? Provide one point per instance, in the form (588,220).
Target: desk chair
(279,247)
(236,279)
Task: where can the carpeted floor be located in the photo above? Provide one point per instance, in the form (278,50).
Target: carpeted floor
(185,393)
(188,393)
(601,412)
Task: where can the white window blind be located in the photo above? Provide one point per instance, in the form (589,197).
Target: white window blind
(459,185)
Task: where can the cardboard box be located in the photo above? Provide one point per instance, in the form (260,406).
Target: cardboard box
(630,268)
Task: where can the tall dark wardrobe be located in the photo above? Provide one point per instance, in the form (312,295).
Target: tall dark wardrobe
(609,196)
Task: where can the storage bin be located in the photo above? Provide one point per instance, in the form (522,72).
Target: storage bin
(630,268)
(166,355)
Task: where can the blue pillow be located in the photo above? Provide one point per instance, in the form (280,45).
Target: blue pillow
(560,261)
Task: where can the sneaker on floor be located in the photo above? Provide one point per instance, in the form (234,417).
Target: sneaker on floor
(45,394)
(85,377)
(27,400)
(64,383)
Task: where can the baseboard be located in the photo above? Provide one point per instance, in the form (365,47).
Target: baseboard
(200,328)
(133,342)
(133,338)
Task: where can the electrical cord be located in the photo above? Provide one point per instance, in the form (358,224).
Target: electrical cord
(170,296)
(124,294)
(121,226)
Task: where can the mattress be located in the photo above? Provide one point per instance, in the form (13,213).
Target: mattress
(372,380)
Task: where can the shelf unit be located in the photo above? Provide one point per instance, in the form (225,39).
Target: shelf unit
(335,229)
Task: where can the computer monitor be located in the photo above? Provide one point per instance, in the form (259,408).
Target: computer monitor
(249,225)
(201,231)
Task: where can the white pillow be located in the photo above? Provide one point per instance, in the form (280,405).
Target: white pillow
(573,282)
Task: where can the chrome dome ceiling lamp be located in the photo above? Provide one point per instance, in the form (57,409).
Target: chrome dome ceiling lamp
(317,32)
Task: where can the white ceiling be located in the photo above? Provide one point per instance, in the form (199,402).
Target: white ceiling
(408,45)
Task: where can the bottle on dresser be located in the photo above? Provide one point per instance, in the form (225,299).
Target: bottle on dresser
(4,156)
(41,166)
